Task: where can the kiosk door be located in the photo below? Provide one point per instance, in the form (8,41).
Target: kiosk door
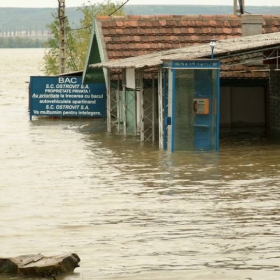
(203,110)
(194,112)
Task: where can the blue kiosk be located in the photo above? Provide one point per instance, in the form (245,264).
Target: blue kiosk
(191,105)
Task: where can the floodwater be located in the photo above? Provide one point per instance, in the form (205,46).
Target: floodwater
(131,211)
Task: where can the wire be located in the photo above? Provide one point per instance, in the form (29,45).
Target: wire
(75,29)
(85,27)
(119,8)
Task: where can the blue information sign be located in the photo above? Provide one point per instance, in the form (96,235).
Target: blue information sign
(66,97)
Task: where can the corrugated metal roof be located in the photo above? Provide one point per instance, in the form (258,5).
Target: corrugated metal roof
(222,48)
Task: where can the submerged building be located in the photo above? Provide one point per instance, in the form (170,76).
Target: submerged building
(133,54)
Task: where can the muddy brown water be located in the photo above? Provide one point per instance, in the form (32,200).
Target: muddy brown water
(132,211)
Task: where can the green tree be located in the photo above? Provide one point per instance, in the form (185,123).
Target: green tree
(77,40)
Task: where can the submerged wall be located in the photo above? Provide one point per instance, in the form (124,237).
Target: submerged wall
(274,104)
(243,106)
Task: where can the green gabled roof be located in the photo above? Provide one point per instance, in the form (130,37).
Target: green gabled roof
(92,75)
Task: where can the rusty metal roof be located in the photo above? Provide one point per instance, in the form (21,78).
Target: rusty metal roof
(223,48)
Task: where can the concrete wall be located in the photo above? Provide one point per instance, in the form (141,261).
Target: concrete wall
(251,24)
(274,104)
(225,106)
(243,106)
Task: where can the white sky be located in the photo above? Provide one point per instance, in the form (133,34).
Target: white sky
(75,3)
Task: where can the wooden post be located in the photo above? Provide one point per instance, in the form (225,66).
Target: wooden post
(62,36)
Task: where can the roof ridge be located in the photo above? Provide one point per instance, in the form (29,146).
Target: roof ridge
(177,17)
(166,16)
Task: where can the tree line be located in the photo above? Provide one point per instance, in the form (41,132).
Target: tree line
(77,40)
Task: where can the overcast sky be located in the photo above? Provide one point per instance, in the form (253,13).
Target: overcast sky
(75,3)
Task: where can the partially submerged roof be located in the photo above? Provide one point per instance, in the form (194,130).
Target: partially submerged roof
(223,48)
(128,36)
(119,37)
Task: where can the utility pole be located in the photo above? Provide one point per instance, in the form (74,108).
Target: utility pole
(239,11)
(62,36)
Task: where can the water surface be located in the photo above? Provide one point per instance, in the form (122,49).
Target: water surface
(131,211)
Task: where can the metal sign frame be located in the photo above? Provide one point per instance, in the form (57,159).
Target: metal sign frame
(66,97)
